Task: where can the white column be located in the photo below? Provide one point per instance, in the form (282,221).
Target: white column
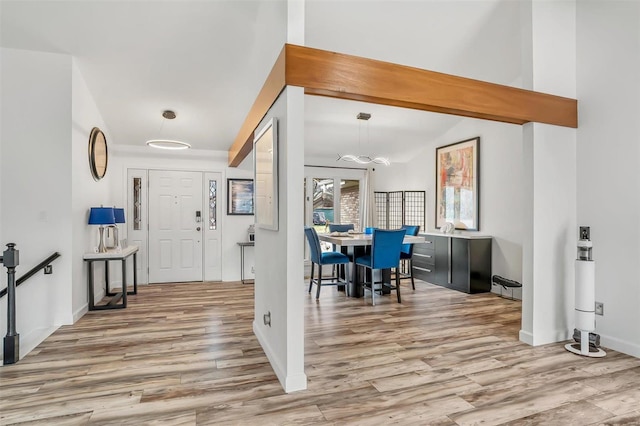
(549,152)
(279,278)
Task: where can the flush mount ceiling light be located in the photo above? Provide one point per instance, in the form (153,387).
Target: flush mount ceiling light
(167,143)
(363,159)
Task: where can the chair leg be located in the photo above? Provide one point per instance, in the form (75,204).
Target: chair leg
(311,278)
(398,288)
(413,283)
(373,289)
(346,278)
(319,283)
(356,272)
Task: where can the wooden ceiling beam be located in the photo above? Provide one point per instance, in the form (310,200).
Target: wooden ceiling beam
(342,76)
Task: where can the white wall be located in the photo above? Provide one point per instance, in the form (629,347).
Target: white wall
(36,178)
(234,228)
(2,241)
(86,192)
(500,187)
(279,282)
(402,32)
(608,59)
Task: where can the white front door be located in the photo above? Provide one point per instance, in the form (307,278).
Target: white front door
(176,222)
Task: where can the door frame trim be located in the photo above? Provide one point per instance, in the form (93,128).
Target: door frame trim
(144,259)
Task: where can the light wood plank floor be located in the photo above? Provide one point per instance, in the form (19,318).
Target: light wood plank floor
(185,354)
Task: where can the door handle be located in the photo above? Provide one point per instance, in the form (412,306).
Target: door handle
(198,228)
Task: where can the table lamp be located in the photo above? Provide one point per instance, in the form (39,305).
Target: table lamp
(102,216)
(119,216)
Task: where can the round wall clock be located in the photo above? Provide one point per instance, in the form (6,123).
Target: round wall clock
(98,154)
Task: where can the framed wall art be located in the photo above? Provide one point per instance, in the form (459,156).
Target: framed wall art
(265,163)
(240,196)
(457,185)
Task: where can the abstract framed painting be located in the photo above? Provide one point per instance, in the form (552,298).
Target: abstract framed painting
(457,185)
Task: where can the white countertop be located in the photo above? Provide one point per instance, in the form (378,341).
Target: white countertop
(457,234)
(111,254)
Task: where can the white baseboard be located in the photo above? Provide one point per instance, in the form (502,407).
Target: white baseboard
(517,293)
(620,345)
(29,341)
(80,312)
(526,337)
(99,295)
(552,336)
(296,382)
(292,383)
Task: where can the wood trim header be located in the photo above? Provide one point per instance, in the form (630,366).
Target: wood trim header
(342,76)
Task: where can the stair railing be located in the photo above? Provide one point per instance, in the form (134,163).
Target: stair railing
(11,259)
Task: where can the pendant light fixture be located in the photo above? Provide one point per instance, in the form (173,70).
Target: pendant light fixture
(363,159)
(167,143)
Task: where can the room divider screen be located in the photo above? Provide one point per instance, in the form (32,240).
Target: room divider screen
(397,208)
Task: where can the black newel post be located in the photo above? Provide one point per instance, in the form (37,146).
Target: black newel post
(10,258)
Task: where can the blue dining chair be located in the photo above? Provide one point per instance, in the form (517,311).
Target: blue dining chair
(406,254)
(340,227)
(327,258)
(385,254)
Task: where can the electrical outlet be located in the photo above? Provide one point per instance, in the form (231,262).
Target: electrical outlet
(599,308)
(48,269)
(253,269)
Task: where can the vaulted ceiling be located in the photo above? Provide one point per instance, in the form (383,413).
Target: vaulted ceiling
(207,60)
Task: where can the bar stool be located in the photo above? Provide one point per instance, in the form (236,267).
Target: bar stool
(406,255)
(340,227)
(327,258)
(385,254)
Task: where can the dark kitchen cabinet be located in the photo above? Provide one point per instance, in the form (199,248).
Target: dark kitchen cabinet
(458,262)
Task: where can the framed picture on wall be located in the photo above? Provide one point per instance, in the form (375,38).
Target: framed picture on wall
(457,185)
(240,196)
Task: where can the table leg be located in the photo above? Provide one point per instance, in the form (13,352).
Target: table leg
(107,291)
(90,278)
(242,264)
(124,283)
(135,273)
(386,281)
(356,289)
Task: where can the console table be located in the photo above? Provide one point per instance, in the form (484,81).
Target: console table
(242,245)
(122,256)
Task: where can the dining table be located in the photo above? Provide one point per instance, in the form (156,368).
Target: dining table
(355,244)
(350,239)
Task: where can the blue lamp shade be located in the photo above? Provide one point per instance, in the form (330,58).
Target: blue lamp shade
(102,216)
(119,214)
